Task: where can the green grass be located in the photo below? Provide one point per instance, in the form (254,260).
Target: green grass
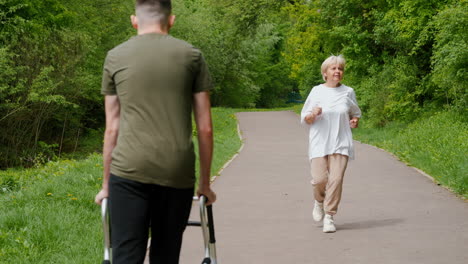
(437,145)
(52,217)
(226,138)
(48,214)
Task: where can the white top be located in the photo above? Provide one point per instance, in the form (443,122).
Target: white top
(330,133)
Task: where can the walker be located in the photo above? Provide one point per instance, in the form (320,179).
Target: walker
(206,223)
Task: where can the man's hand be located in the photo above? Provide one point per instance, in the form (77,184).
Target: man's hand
(112,108)
(100,196)
(354,123)
(208,193)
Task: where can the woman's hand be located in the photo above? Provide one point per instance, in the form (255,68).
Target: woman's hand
(354,122)
(316,111)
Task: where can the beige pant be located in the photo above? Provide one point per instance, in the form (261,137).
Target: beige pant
(327,179)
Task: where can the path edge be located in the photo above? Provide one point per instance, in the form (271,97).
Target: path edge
(420,171)
(239,133)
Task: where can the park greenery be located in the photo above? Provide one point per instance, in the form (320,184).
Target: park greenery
(45,211)
(406,59)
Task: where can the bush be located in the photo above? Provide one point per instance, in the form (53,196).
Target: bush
(50,67)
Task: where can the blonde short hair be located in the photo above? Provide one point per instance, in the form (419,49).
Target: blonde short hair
(340,60)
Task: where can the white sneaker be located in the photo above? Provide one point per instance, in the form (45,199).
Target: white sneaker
(328,224)
(318,213)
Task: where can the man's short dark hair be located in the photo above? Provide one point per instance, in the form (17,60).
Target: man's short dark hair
(153,11)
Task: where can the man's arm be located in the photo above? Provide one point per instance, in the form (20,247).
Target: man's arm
(202,111)
(112,108)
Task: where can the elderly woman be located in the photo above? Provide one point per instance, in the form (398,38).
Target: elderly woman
(330,111)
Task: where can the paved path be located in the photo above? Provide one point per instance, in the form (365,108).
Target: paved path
(389,214)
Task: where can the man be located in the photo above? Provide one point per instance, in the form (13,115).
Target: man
(151,83)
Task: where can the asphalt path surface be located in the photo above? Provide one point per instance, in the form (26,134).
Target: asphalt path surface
(389,214)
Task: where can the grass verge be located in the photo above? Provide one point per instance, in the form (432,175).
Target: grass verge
(48,214)
(437,145)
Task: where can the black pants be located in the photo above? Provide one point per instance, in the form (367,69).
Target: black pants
(133,207)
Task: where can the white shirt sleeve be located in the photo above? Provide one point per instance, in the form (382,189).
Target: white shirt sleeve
(307,108)
(354,110)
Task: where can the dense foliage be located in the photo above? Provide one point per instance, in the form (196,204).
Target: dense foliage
(51,55)
(406,58)
(242,41)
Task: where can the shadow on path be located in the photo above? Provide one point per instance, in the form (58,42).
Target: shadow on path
(369,224)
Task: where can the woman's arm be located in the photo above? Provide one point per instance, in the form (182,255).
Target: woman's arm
(355,111)
(310,110)
(310,118)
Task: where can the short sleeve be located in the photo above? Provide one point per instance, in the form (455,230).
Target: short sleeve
(108,84)
(202,81)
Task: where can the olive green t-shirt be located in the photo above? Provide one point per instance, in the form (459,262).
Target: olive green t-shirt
(155,77)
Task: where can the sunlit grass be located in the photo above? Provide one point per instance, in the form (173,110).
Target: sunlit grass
(438,145)
(52,217)
(47,214)
(226,137)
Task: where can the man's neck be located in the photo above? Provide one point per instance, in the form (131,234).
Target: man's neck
(152,29)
